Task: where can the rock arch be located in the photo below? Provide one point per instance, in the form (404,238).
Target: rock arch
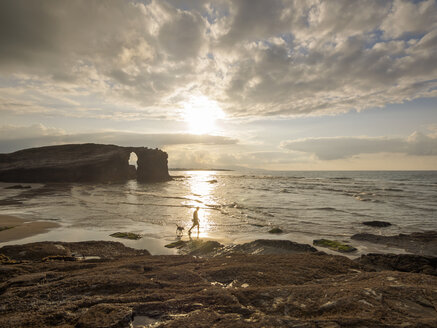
(83,163)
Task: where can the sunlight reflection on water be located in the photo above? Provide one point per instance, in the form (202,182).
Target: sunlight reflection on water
(132,197)
(202,186)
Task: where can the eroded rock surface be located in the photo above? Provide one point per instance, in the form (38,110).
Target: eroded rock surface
(400,262)
(422,243)
(40,250)
(294,290)
(83,163)
(269,246)
(199,247)
(287,290)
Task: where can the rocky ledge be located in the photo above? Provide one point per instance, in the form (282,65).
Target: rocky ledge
(421,243)
(124,288)
(83,163)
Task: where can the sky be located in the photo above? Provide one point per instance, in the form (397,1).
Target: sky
(275,85)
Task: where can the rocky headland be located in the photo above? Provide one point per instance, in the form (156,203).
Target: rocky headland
(83,163)
(105,284)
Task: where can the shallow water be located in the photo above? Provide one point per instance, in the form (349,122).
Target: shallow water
(234,206)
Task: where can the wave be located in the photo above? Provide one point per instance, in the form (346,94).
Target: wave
(341,178)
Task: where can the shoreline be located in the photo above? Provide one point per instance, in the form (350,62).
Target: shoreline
(21,231)
(18,228)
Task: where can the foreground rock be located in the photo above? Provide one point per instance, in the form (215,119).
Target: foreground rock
(197,247)
(422,243)
(400,262)
(39,251)
(269,246)
(259,246)
(293,290)
(83,163)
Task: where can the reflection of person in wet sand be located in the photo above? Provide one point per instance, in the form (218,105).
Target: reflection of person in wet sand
(195,221)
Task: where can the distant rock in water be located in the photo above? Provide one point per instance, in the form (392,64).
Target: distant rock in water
(18,187)
(83,163)
(378,224)
(276,230)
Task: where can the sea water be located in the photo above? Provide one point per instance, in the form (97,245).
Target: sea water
(234,206)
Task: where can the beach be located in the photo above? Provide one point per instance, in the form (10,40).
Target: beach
(218,164)
(14,228)
(258,261)
(235,208)
(262,283)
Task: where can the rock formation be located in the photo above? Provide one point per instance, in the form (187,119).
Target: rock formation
(83,163)
(128,288)
(400,262)
(377,224)
(421,243)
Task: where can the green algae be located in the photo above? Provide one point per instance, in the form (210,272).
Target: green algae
(127,235)
(176,244)
(334,245)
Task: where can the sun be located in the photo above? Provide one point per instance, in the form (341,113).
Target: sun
(201,114)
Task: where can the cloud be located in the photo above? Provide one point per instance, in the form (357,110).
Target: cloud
(417,144)
(406,17)
(199,159)
(255,58)
(13,138)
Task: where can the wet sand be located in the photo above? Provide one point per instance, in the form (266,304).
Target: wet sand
(21,228)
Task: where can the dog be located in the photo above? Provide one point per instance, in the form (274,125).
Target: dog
(179,230)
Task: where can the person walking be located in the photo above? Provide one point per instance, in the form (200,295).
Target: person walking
(195,221)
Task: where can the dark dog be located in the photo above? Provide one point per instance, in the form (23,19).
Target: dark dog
(179,230)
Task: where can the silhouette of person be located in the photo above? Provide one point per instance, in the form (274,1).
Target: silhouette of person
(195,221)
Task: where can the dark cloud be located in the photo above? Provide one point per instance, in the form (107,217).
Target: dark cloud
(181,37)
(255,20)
(343,147)
(256,58)
(13,138)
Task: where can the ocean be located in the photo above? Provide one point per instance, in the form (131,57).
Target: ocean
(234,206)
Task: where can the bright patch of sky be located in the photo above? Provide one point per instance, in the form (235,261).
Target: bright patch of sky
(276,84)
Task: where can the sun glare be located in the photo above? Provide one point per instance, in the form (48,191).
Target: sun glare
(202,195)
(201,114)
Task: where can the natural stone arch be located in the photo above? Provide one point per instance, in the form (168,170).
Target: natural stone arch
(83,163)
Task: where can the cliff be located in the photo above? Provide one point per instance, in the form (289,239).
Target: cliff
(83,163)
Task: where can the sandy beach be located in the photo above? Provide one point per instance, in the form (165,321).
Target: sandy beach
(14,228)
